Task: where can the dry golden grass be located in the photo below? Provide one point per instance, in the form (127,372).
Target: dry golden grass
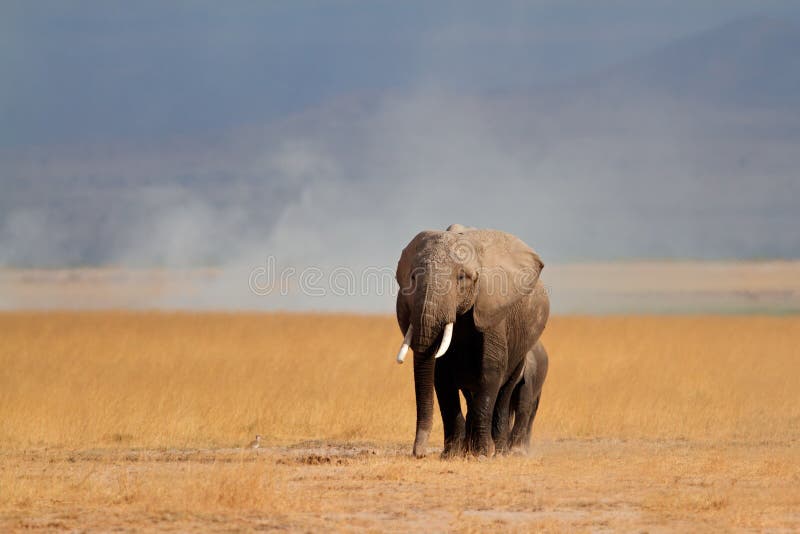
(135,420)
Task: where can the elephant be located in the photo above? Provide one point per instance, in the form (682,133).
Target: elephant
(471,306)
(525,398)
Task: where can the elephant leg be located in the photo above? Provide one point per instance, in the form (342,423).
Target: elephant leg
(501,411)
(481,443)
(524,403)
(531,395)
(493,365)
(530,423)
(450,408)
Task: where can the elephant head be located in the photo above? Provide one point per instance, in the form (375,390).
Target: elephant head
(445,275)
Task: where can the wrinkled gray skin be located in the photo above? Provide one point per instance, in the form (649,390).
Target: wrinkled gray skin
(525,398)
(486,282)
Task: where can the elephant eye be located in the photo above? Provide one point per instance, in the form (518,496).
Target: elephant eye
(461,275)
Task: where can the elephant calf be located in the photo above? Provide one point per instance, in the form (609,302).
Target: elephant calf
(525,399)
(471,307)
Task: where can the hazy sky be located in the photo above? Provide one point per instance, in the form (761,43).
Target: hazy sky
(108,70)
(329,133)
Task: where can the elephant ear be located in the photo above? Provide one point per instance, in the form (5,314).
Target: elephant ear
(403,277)
(509,271)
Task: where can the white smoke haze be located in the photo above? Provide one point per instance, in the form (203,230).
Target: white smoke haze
(570,183)
(605,169)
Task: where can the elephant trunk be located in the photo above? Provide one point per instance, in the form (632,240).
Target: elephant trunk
(423,334)
(425,329)
(423,389)
(429,320)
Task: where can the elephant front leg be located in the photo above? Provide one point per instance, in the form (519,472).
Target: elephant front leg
(481,443)
(493,364)
(452,418)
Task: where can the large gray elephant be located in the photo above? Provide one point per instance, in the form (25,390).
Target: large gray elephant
(471,307)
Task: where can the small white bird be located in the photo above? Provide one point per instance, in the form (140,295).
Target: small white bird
(256,443)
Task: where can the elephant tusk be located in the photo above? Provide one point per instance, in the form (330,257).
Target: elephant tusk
(446,338)
(401,354)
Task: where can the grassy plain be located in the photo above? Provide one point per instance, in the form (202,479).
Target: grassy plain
(136,420)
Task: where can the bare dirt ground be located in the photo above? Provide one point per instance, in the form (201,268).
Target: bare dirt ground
(567,484)
(135,421)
